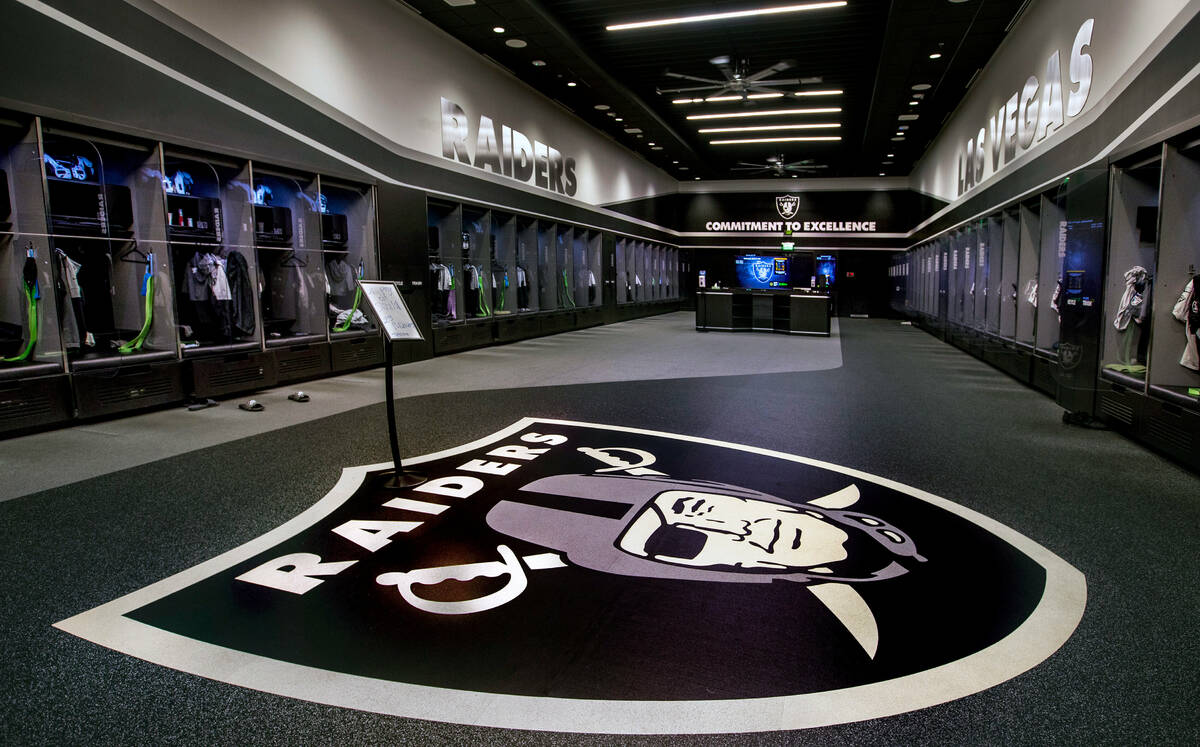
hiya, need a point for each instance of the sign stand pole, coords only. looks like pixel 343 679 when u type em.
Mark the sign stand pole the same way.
pixel 400 477
pixel 389 308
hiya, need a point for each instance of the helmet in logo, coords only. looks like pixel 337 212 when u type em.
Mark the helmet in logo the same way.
pixel 706 531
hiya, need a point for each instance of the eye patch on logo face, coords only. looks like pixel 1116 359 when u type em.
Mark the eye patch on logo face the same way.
pixel 673 541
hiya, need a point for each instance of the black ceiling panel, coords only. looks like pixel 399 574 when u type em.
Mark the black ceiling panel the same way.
pixel 874 51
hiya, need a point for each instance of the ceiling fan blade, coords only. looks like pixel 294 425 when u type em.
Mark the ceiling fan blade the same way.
pixel 748 168
pixel 805 162
pixel 710 81
pixel 778 67
pixel 766 85
pixel 708 90
pixel 812 80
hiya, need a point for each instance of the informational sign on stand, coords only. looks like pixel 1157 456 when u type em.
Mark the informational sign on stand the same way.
pixel 385 300
pixel 702 278
pixel 389 308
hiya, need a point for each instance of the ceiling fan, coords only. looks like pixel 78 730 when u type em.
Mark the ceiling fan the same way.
pixel 738 81
pixel 778 166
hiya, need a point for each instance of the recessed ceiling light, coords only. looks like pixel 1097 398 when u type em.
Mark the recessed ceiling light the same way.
pixel 902 128
pixel 771 128
pixel 888 163
pixel 914 102
pixel 633 130
pixel 498 29
pixel 897 139
pixel 651 143
pixel 724 16
pixel 601 107
pixel 891 155
pixel 697 178
pixel 935 56
pixel 922 87
pixel 822 138
pixel 768 113
pixel 639 137
pixel 459 3
pixel 620 119
pixel 657 147
pixel 538 63
pixel 571 84
pixel 794 176
pixel 909 117
pixel 830 92
pixel 674 161
pixel 516 43
pixel 683 168
pixel 611 114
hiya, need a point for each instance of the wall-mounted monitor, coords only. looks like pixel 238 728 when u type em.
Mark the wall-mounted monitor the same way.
pixel 826 271
pixel 763 272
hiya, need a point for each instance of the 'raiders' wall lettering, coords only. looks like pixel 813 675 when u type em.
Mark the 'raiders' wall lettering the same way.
pixel 505 151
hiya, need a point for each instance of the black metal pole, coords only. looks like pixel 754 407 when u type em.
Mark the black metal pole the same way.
pixel 391 408
pixel 399 478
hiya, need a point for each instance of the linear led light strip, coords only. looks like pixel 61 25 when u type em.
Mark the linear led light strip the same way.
pixel 728 98
pixel 812 139
pixel 832 92
pixel 771 128
pixel 723 16
pixel 769 113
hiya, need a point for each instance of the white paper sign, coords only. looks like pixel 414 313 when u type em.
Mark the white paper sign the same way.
pixel 389 308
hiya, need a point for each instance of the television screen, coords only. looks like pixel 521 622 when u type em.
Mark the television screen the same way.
pixel 826 271
pixel 754 271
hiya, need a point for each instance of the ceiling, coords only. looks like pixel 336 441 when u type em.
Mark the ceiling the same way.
pixel 877 53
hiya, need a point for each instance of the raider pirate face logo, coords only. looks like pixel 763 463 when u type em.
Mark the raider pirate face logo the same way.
pixel 581 577
pixel 788 206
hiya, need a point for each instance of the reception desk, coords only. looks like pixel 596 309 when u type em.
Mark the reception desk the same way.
pixel 787 312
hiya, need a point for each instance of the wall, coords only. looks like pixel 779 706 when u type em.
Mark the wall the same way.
pixel 1125 37
pixel 383 70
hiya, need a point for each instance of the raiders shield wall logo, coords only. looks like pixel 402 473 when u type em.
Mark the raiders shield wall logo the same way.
pixel 579 577
pixel 1069 355
pixel 788 206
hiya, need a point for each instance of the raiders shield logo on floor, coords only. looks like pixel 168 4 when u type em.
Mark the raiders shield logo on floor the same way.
pixel 581 577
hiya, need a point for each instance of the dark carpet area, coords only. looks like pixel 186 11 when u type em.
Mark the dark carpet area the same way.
pixel 904 406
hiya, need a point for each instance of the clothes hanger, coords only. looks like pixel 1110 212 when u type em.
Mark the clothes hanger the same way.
pixel 134 250
pixel 291 260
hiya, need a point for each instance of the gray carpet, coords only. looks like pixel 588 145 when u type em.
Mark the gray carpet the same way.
pixel 903 405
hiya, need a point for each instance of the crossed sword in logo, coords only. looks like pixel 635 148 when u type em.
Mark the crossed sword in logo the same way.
pixel 841 599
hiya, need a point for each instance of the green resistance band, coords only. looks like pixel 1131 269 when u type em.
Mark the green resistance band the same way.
pixel 485 309
pixel 353 308
pixel 136 343
pixel 565 292
pixel 30 289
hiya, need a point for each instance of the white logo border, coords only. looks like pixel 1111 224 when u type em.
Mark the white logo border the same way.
pixel 1045 630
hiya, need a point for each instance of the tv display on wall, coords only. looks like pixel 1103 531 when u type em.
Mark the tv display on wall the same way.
pixel 763 272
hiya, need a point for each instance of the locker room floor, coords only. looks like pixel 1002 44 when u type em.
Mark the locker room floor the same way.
pixel 101 510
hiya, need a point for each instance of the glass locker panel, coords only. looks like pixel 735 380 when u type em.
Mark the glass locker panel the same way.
pixel 349 251
pixel 287 235
pixel 30 341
